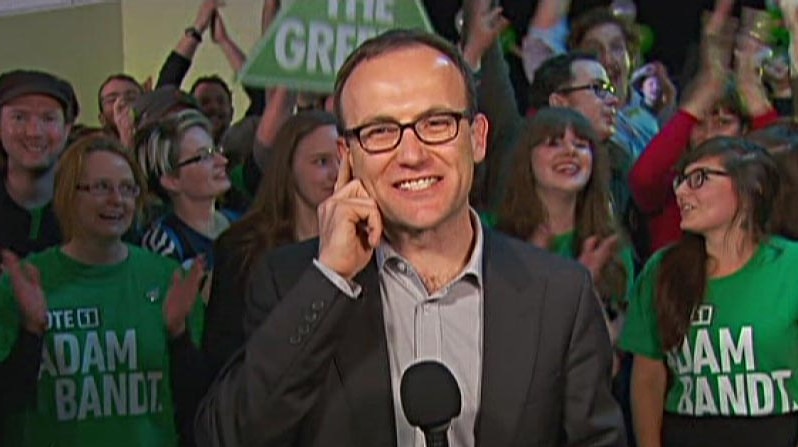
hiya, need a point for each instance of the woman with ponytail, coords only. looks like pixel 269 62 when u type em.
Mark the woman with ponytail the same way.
pixel 713 319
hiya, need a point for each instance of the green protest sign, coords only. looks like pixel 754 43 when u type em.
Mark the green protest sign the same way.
pixel 310 39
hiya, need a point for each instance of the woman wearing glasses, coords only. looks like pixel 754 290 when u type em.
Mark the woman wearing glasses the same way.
pixel 188 173
pixel 300 175
pixel 91 331
pixel 712 319
pixel 713 106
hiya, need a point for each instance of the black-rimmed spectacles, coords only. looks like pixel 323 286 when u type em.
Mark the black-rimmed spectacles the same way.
pixel 601 89
pixel 696 178
pixel 434 128
pixel 203 154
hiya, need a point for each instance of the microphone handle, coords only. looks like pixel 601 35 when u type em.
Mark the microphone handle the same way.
pixel 436 437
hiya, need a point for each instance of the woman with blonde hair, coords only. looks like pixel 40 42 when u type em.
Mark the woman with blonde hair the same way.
pixel 92 331
pixel 188 173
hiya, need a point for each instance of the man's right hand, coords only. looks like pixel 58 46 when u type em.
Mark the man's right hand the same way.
pixel 27 285
pixel 350 226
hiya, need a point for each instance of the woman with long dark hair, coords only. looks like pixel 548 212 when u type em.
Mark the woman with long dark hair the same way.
pixel 713 318
pixel 558 198
pixel 300 175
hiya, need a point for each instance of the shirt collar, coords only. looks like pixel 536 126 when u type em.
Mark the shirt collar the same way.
pixel 473 267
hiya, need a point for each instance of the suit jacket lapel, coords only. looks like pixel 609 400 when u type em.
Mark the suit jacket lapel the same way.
pixel 513 302
pixel 362 362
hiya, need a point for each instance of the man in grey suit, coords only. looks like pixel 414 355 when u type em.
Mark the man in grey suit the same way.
pixel 403 271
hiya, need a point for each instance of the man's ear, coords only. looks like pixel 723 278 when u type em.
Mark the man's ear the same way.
pixel 558 100
pixel 101 119
pixel 345 153
pixel 479 137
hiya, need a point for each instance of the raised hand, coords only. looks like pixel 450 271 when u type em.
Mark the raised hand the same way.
pixel 147 85
pixel 123 119
pixel 268 13
pixel 716 51
pixel 596 252
pixel 219 30
pixel 182 296
pixel 206 13
pixel 350 226
pixel 27 285
pixel 484 24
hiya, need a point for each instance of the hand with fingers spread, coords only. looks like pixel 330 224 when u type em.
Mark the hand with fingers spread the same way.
pixel 716 52
pixel 350 226
pixel 596 252
pixel 483 27
pixel 182 296
pixel 27 285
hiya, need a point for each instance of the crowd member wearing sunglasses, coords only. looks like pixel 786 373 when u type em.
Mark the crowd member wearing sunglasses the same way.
pixel 716 104
pixel 188 173
pixel 91 330
pixel 711 321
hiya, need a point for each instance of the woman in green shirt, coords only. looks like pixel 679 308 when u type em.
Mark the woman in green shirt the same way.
pixel 713 319
pixel 92 331
pixel 558 198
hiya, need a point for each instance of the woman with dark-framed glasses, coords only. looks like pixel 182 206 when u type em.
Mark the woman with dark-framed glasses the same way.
pixel 713 319
pixel 188 173
pixel 92 331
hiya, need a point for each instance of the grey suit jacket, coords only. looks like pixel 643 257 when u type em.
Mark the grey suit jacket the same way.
pixel 315 370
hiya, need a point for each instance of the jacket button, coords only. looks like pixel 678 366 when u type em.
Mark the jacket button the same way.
pixel 317 305
pixel 311 317
pixel 304 329
pixel 295 339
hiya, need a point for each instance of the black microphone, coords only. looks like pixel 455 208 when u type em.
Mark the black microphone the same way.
pixel 430 400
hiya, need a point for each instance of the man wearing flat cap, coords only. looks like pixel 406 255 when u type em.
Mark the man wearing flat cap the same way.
pixel 37 110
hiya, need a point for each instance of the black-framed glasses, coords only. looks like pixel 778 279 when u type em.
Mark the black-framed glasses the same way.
pixel 104 188
pixel 696 178
pixel 600 88
pixel 433 128
pixel 203 154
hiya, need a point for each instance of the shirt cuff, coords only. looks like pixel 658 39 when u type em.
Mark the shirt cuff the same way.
pixel 348 288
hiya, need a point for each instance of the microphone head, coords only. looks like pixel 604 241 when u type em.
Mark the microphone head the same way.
pixel 430 395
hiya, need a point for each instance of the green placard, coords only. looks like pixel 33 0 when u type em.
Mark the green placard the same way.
pixel 310 39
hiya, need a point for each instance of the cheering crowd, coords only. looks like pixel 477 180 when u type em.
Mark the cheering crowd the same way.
pixel 610 266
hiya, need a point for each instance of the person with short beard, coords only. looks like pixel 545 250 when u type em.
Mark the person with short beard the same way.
pixel 37 111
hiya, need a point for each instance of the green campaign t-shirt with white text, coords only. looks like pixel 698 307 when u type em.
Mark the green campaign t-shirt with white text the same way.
pixel 740 356
pixel 104 375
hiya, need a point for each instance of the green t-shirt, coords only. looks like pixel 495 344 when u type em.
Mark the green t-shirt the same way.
pixel 564 246
pixel 104 376
pixel 741 353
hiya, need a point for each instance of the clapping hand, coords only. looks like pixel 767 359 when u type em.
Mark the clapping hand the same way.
pixel 26 282
pixel 182 296
pixel 596 252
